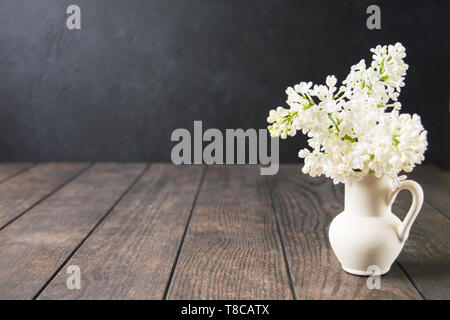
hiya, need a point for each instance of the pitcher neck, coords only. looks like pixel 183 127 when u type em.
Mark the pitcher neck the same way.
pixel 368 197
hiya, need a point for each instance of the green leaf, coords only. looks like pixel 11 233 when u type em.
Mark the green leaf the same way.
pixel 395 140
pixel 348 138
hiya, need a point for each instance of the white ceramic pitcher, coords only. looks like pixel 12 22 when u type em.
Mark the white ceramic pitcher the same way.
pixel 367 237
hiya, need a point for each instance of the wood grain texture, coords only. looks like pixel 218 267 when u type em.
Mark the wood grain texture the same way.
pixel 305 207
pixel 436 185
pixel 131 254
pixel 8 170
pixel 232 248
pixel 23 191
pixel 426 254
pixel 35 246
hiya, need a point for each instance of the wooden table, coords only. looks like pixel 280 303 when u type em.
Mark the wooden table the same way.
pixel 160 231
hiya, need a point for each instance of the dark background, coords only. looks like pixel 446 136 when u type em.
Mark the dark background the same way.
pixel 115 90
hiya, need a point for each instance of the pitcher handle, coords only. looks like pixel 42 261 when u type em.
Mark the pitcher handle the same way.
pixel 416 205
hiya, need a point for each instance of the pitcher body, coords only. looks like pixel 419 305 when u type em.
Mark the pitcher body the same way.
pixel 367 237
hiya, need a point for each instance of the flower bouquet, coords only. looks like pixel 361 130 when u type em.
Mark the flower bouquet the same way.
pixel 358 129
pixel 358 136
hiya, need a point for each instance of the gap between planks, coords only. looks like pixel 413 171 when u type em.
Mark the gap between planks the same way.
pixel 283 246
pixel 172 272
pixel 16 169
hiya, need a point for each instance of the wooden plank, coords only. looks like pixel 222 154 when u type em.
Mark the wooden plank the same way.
pixel 25 190
pixel 131 254
pixel 35 246
pixel 305 207
pixel 436 185
pixel 426 255
pixel 232 248
pixel 10 169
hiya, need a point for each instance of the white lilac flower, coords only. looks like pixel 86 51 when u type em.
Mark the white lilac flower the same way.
pixel 356 130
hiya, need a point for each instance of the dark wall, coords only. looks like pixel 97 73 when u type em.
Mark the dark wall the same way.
pixel 137 70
